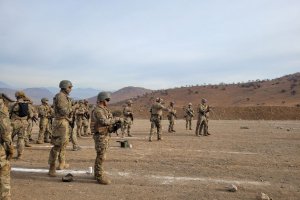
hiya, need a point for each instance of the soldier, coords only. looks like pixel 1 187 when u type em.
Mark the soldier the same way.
pixel 87 117
pixel 30 125
pixel 6 152
pixel 128 118
pixel 104 123
pixel 189 114
pixel 81 119
pixel 61 127
pixel 156 117
pixel 45 118
pixel 203 112
pixel 19 113
pixel 73 134
pixel 171 117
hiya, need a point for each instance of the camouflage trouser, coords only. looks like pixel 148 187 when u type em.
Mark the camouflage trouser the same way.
pixel 171 124
pixel 60 139
pixel 126 126
pixel 5 181
pixel 73 138
pixel 29 131
pixel 188 122
pixel 45 131
pixel 101 146
pixel 201 124
pixel 155 122
pixel 80 122
pixel 19 129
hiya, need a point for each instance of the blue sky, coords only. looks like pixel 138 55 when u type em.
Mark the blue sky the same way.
pixel 153 44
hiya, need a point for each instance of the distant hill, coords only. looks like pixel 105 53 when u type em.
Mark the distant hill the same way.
pixel 124 94
pixel 284 92
pixel 37 93
pixel 4 85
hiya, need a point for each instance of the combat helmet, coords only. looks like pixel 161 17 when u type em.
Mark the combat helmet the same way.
pixel 203 100
pixel 44 100
pixel 129 102
pixel 190 104
pixel 20 94
pixel 103 96
pixel 65 84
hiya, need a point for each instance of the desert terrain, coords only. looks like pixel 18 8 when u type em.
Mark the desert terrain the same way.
pixel 256 156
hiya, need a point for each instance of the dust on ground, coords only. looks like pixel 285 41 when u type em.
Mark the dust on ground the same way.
pixel 264 157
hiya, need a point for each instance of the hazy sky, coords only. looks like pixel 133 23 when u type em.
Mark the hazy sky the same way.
pixel 148 43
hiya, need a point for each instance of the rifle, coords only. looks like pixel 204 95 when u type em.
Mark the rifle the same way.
pixel 131 116
pixel 35 119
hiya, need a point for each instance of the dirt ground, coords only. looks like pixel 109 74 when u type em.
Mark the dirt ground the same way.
pixel 256 156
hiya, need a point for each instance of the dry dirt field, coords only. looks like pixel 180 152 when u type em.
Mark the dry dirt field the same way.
pixel 263 158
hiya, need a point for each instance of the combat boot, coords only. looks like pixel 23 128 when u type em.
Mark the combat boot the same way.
pixel 40 142
pixel 47 140
pixel 62 166
pixel 129 135
pixel 150 139
pixel 52 171
pixel 104 181
pixel 28 145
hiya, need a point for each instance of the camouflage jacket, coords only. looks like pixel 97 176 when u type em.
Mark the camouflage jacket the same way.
pixel 15 108
pixel 5 134
pixel 62 105
pixel 45 111
pixel 203 109
pixel 157 109
pixel 102 119
pixel 189 112
pixel 127 111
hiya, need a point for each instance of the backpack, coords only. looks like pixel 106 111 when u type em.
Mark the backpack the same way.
pixel 23 109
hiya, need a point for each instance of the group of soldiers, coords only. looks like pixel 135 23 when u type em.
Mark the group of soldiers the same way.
pixel 56 125
pixel 157 109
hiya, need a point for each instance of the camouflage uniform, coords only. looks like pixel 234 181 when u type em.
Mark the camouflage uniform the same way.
pixel 73 135
pixel 45 118
pixel 171 117
pixel 81 120
pixel 128 119
pixel 6 152
pixel 61 127
pixel 103 122
pixel 202 122
pixel 19 120
pixel 156 117
pixel 30 125
pixel 189 114
pixel 87 118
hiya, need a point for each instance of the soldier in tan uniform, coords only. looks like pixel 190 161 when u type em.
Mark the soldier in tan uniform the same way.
pixel 171 117
pixel 61 127
pixel 128 119
pixel 45 117
pixel 81 119
pixel 30 125
pixel 20 112
pixel 86 119
pixel 202 122
pixel 156 111
pixel 6 152
pixel 73 134
pixel 104 123
pixel 189 114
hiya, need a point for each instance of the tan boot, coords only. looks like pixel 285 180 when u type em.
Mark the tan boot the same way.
pixel 62 166
pixel 104 181
pixel 52 171
pixel 28 145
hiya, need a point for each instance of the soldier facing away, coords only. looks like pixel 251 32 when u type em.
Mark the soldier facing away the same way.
pixel 19 114
pixel 81 119
pixel 156 111
pixel 189 114
pixel 128 118
pixel 202 122
pixel 61 127
pixel 104 123
pixel 171 117
pixel 6 152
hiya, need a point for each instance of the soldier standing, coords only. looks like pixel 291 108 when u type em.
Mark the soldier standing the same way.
pixel 171 117
pixel 61 127
pixel 81 113
pixel 156 117
pixel 128 118
pixel 104 123
pixel 20 112
pixel 202 123
pixel 189 114
pixel 86 118
pixel 45 118
pixel 6 152
pixel 30 125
